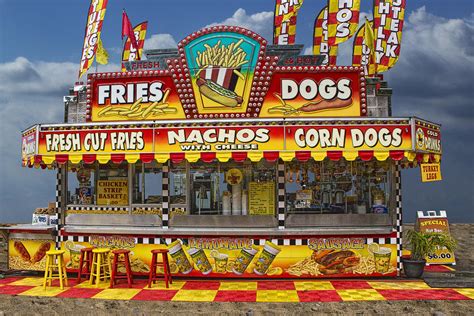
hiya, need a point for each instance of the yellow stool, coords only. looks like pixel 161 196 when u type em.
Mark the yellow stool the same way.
pixel 101 266
pixel 55 261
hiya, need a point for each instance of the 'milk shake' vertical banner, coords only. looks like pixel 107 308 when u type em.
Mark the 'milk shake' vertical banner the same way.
pixel 284 27
pixel 95 18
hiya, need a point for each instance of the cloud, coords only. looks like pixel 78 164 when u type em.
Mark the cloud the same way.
pixel 158 41
pixel 261 22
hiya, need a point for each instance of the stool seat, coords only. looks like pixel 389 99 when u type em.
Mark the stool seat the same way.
pixel 126 262
pixel 101 250
pixel 155 264
pixel 87 249
pixel 55 268
pixel 55 252
pixel 120 251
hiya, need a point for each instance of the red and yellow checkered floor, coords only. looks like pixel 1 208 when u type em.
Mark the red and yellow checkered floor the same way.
pixel 241 291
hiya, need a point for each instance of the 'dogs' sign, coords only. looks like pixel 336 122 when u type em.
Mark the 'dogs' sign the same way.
pixel 224 73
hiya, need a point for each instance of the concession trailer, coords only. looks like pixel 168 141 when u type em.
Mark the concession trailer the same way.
pixel 245 160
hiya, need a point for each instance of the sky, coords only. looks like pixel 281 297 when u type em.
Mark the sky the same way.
pixel 40 49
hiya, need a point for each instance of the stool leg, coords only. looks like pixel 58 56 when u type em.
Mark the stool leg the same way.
pixel 128 269
pixel 81 263
pixel 169 270
pixel 109 266
pixel 114 272
pixel 91 277
pixel 46 271
pixel 165 269
pixel 64 271
pixel 97 277
pixel 60 273
pixel 152 269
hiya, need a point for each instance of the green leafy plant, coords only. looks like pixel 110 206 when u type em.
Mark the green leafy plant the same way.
pixel 423 243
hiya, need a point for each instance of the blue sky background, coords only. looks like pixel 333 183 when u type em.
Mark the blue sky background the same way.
pixel 40 48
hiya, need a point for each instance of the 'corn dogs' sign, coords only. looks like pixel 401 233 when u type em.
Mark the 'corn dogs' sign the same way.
pixel 224 73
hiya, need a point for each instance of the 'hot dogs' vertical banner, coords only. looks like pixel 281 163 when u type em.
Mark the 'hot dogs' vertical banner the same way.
pixel 284 27
pixel 95 18
pixel 361 54
pixel 129 52
pixel 343 20
pixel 320 39
pixel 389 18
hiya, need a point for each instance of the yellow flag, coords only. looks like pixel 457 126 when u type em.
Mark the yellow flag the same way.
pixel 102 57
pixel 369 36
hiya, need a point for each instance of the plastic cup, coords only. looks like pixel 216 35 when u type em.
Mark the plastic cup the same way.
pixel 382 259
pixel 243 260
pixel 177 253
pixel 200 259
pixel 269 252
pixel 221 260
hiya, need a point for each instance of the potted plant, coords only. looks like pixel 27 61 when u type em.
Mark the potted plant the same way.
pixel 422 244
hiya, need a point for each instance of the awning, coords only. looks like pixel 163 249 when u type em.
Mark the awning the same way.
pixel 365 139
pixel 271 156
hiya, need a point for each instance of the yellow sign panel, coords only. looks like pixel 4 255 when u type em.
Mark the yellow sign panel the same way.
pixel 28 254
pixel 430 172
pixel 437 225
pixel 112 192
pixel 261 198
pixel 234 176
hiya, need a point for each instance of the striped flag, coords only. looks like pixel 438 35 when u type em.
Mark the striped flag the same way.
pixel 362 54
pixel 284 26
pixel 320 39
pixel 129 53
pixel 343 20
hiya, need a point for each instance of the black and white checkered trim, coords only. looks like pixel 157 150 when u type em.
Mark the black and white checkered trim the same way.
pixel 61 170
pixel 256 242
pixel 398 214
pixel 96 208
pixel 281 195
pixel 165 194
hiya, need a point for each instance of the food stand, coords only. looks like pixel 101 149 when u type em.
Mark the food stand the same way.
pixel 240 159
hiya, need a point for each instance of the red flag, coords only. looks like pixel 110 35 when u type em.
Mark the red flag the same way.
pixel 127 30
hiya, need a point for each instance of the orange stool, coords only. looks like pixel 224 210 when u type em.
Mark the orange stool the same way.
pixel 86 257
pixel 125 262
pixel 155 264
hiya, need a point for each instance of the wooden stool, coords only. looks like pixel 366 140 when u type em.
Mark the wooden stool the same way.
pixel 100 265
pixel 126 263
pixel 86 257
pixel 155 264
pixel 55 261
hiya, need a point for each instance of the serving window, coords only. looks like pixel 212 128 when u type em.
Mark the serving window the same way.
pixel 81 184
pixel 147 183
pixel 225 193
pixel 355 189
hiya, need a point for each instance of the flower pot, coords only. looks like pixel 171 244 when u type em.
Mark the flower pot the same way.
pixel 413 268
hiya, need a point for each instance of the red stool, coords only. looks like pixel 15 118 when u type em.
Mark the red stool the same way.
pixel 155 264
pixel 126 261
pixel 86 257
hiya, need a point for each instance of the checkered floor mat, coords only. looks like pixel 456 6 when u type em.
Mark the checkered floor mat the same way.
pixel 241 291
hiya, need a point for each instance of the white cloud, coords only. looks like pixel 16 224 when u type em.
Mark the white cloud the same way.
pixel 261 22
pixel 157 41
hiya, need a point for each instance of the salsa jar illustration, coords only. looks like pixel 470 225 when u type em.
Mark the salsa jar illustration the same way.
pixel 177 253
pixel 200 259
pixel 243 260
pixel 269 252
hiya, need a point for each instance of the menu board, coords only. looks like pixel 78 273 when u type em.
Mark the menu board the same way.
pixel 262 198
pixel 112 192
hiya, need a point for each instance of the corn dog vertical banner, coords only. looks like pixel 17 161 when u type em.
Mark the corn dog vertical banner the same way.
pixel 320 39
pixel 343 20
pixel 389 18
pixel 95 19
pixel 129 52
pixel 362 53
pixel 284 27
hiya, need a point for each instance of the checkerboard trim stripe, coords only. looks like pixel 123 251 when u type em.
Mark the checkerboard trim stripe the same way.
pixel 281 194
pixel 59 189
pixel 165 195
pixel 398 214
pixel 97 208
